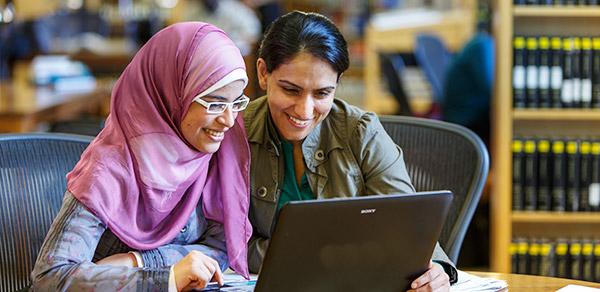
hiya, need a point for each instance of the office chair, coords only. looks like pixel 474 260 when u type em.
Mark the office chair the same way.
pixel 32 184
pixel 53 32
pixel 392 67
pixel 433 57
pixel 443 156
pixel 86 125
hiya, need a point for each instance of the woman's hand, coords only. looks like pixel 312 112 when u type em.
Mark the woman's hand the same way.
pixel 119 259
pixel 434 279
pixel 195 271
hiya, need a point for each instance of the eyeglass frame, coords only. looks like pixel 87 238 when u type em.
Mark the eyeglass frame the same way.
pixel 207 104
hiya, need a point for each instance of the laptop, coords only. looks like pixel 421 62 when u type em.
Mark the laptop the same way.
pixel 372 243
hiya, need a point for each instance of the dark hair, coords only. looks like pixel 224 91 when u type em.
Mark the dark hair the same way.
pixel 298 32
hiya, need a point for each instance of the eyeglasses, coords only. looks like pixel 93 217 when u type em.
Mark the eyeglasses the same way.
pixel 219 107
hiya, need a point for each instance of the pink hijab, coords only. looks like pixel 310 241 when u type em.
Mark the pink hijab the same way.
pixel 140 176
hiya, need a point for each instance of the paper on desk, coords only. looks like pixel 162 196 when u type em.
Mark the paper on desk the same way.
pixel 468 282
pixel 578 288
pixel 405 18
pixel 232 277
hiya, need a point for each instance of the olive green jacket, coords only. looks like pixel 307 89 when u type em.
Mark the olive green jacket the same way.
pixel 348 154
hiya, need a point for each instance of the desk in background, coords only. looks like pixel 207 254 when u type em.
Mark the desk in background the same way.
pixel 397 33
pixel 23 106
pixel 517 282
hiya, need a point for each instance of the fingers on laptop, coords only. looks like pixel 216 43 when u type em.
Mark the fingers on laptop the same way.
pixel 434 279
pixel 196 270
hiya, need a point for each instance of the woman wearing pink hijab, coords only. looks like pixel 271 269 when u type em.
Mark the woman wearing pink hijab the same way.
pixel 159 200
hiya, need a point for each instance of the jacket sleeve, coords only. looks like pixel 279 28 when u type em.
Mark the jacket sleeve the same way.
pixel 211 243
pixel 65 259
pixel 381 161
pixel 257 249
pixel 440 257
pixel 384 172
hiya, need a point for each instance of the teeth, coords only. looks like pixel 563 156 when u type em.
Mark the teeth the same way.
pixel 299 122
pixel 214 133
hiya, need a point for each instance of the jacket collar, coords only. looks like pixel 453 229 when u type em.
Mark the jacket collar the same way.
pixel 330 134
pixel 259 126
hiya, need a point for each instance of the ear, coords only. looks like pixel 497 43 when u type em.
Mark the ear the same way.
pixel 261 70
pixel 340 77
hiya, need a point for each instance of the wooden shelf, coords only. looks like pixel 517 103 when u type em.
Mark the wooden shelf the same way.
pixel 555 217
pixel 556 114
pixel 556 11
pixel 511 20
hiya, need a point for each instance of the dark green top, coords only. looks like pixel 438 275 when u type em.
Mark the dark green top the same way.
pixel 291 191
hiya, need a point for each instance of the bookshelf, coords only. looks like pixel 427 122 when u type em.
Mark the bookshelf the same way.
pixel 510 20
pixel 553 217
pixel 591 115
pixel 558 12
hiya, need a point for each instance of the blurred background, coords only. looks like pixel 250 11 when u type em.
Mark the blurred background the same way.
pixel 438 59
pixel 60 58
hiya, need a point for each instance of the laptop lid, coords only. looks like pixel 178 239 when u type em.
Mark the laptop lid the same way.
pixel 372 243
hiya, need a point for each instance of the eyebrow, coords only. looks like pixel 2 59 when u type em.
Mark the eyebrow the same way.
pixel 222 98
pixel 299 87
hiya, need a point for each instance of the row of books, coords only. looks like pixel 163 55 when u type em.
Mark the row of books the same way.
pixel 575 258
pixel 556 72
pixel 556 174
pixel 556 2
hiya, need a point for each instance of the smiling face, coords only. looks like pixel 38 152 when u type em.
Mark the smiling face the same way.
pixel 299 93
pixel 205 131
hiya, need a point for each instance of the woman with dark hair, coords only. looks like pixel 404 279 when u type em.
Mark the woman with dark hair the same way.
pixel 306 144
pixel 159 199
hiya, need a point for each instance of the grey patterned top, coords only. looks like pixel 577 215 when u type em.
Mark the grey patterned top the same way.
pixel 77 239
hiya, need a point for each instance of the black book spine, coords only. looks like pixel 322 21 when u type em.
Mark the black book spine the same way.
pixel 518 174
pixel 576 70
pixel 532 75
pixel 514 257
pixel 556 72
pixel 519 81
pixel 562 259
pixel 594 188
pixel 586 72
pixel 596 73
pixel 567 83
pixel 544 72
pixel 576 260
pixel 547 258
pixel 596 261
pixel 531 175
pixel 573 175
pixel 545 175
pixel 519 2
pixel 559 178
pixel 534 257
pixel 523 254
pixel 587 254
pixel 585 175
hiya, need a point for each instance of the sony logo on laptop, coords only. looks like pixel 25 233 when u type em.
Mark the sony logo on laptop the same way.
pixel 368 211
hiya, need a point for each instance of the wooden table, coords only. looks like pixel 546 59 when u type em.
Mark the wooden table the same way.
pixel 24 106
pixel 529 283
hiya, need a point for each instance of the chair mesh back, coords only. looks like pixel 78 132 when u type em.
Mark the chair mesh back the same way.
pixel 443 156
pixel 32 184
